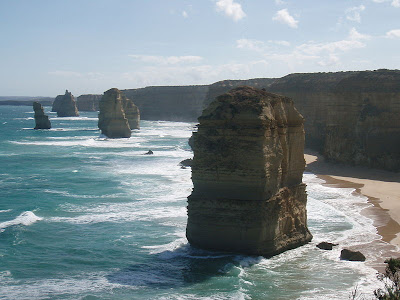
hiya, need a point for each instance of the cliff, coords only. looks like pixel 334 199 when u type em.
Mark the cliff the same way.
pixel 170 103
pixel 88 102
pixel 41 120
pixel 248 194
pixel 112 120
pixel 65 105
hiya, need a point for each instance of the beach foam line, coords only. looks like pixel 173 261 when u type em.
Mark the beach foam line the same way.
pixel 26 218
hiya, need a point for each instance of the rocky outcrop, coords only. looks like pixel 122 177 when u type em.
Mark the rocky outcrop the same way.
pixel 41 120
pixel 65 105
pixel 112 120
pixel 170 103
pixel 248 194
pixel 131 112
pixel 88 102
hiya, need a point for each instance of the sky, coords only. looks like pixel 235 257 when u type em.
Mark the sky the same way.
pixel 89 46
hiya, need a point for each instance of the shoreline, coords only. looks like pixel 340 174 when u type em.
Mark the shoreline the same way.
pixel 382 188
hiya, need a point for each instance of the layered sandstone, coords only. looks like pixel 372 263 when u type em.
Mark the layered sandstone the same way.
pixel 131 112
pixel 41 120
pixel 89 102
pixel 248 194
pixel 65 105
pixel 112 120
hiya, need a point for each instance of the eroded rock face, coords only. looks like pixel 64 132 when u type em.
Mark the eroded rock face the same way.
pixel 248 194
pixel 112 120
pixel 131 112
pixel 41 120
pixel 65 105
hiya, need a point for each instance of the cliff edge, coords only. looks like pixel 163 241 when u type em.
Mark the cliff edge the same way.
pixel 248 194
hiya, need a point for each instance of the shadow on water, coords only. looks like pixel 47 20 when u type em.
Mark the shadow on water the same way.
pixel 183 266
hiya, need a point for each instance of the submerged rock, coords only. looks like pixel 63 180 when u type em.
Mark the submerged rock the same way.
pixel 41 120
pixel 65 105
pixel 326 246
pixel 350 255
pixel 112 120
pixel 247 169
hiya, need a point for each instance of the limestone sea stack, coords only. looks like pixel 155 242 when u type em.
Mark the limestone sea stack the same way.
pixel 112 120
pixel 65 105
pixel 248 195
pixel 131 112
pixel 41 120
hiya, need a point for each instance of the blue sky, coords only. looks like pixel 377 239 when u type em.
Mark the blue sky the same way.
pixel 89 46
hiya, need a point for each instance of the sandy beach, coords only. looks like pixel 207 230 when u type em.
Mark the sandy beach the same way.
pixel 381 187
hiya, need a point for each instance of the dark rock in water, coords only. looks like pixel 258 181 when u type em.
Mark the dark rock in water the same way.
pixel 326 246
pixel 351 255
pixel 112 120
pixel 186 162
pixel 248 195
pixel 42 121
pixel 149 152
pixel 65 105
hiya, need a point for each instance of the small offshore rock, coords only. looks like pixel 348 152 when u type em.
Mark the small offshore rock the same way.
pixel 349 255
pixel 186 163
pixel 326 246
pixel 42 121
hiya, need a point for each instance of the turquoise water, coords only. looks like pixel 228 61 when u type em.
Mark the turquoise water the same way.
pixel 85 217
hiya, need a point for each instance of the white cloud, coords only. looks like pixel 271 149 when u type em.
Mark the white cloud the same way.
pixel 231 9
pixel 393 34
pixel 185 14
pixel 354 13
pixel 166 60
pixel 284 17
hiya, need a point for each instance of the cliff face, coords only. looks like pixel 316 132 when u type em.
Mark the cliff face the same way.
pixel 351 117
pixel 247 170
pixel 112 120
pixel 41 120
pixel 131 112
pixel 170 103
pixel 65 105
pixel 88 102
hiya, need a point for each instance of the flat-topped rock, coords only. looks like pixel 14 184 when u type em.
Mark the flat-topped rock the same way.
pixel 248 195
pixel 112 120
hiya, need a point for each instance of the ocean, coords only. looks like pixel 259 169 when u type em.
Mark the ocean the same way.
pixel 86 217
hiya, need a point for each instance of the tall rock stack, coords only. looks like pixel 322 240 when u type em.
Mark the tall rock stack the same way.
pixel 131 112
pixel 112 120
pixel 65 105
pixel 248 163
pixel 41 120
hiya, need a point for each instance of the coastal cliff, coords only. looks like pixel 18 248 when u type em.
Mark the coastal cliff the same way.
pixel 41 120
pixel 112 120
pixel 89 102
pixel 169 103
pixel 248 194
pixel 65 105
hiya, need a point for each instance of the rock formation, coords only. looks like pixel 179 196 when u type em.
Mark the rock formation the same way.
pixel 42 121
pixel 131 112
pixel 88 102
pixel 65 105
pixel 248 194
pixel 112 120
